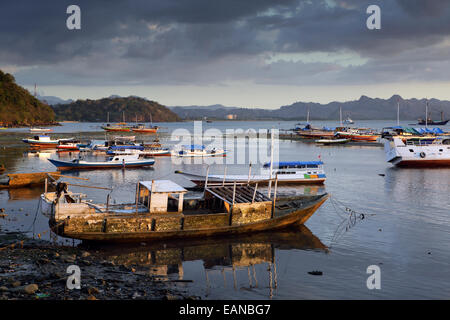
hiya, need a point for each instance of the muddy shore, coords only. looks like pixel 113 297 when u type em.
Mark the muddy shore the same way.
pixel 38 271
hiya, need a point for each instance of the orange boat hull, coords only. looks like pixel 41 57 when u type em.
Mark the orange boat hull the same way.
pixel 145 130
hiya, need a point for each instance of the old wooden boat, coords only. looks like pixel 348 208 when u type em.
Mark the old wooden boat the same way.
pixel 20 180
pixel 293 172
pixel 125 161
pixel 357 135
pixel 120 127
pixel 144 129
pixel 161 211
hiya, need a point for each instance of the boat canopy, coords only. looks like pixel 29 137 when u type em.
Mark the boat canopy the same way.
pixel 194 146
pixel 164 186
pixel 293 164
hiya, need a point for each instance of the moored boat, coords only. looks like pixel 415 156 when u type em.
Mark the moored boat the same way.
pixel 332 141
pixel 44 141
pixel 415 153
pixel 161 211
pixel 144 129
pixel 40 130
pixel 125 161
pixel 195 150
pixel 293 172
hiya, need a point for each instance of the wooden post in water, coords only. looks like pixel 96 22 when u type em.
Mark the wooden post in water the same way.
pixel 274 197
pixel 45 189
pixel 271 163
pixel 206 180
pixel 224 175
pixel 107 202
pixel 249 172
pixel 137 196
pixel 254 193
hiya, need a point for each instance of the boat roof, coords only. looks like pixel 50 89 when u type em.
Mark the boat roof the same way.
pixel 163 186
pixel 293 163
pixel 194 146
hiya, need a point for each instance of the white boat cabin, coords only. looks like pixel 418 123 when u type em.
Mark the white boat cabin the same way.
pixel 155 195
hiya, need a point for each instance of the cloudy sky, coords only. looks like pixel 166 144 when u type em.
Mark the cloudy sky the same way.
pixel 250 53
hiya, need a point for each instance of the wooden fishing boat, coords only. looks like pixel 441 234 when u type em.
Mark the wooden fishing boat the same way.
pixel 126 161
pixel 44 141
pixel 358 136
pixel 20 180
pixel 294 172
pixel 120 127
pixel 144 129
pixel 161 211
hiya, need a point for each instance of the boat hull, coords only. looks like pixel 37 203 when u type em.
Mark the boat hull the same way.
pixel 423 163
pixel 145 130
pixel 294 218
pixel 63 165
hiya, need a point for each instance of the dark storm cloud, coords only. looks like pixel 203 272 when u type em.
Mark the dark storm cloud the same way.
pixel 204 41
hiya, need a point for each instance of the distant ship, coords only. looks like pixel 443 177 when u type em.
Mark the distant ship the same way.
pixel 429 121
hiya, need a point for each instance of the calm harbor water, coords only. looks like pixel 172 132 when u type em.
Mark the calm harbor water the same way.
pixel 405 230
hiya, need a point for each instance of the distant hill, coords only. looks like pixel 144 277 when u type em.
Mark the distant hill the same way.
pixel 363 109
pixel 19 108
pixel 97 110
pixel 52 100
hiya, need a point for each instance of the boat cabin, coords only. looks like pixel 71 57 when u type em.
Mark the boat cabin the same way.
pixel 293 167
pixel 155 196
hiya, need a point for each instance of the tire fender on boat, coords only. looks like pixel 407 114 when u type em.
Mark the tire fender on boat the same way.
pixel 422 154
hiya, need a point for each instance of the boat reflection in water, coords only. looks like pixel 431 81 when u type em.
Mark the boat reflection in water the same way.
pixel 238 256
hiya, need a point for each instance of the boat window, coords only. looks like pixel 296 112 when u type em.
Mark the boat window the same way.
pixel 411 150
pixel 440 150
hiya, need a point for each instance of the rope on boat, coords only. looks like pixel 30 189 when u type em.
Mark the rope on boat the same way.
pixel 349 218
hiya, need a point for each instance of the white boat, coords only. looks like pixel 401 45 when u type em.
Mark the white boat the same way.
pixel 40 130
pixel 417 153
pixel 44 141
pixel 348 121
pixel 127 161
pixel 195 150
pixel 142 153
pixel 332 141
pixel 300 172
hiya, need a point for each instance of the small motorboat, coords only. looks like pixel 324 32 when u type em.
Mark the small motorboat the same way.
pixel 348 121
pixel 40 130
pixel 159 152
pixel 332 141
pixel 122 161
pixel 68 145
pixel 195 150
pixel 44 141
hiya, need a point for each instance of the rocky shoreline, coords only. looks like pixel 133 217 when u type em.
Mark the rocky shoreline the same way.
pixel 38 271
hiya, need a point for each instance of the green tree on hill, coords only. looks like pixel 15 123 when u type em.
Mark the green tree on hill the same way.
pixel 18 107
